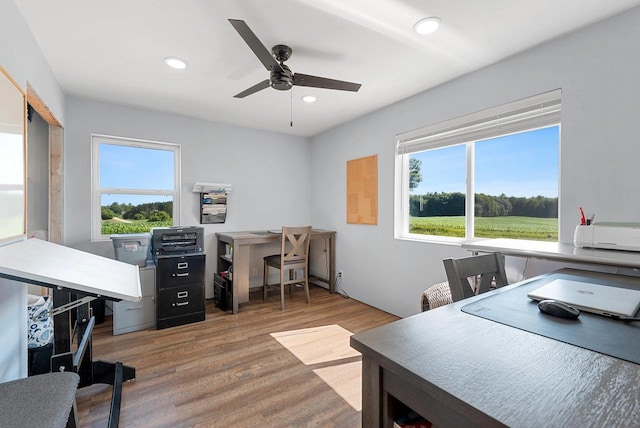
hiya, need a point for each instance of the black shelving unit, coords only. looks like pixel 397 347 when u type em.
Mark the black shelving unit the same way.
pixel 222 292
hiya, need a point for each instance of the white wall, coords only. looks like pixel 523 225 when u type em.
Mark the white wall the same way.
pixel 20 55
pixel 23 60
pixel 597 69
pixel 268 171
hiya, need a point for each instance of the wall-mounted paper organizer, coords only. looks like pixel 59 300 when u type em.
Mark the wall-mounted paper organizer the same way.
pixel 213 201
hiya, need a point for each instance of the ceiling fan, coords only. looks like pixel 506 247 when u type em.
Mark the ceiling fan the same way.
pixel 282 78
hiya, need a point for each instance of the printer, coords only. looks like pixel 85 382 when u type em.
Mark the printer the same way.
pixel 612 236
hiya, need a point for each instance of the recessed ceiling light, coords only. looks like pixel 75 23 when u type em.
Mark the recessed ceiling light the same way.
pixel 309 99
pixel 427 25
pixel 176 63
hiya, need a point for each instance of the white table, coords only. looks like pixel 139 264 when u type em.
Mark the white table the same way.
pixel 51 265
pixel 556 251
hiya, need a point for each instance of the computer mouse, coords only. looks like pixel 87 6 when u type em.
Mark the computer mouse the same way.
pixel 558 309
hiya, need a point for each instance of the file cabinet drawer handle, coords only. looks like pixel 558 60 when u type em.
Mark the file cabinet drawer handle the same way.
pixel 183 265
pixel 182 303
pixel 183 274
pixel 183 294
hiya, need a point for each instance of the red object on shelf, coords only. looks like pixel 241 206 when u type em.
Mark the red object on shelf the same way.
pixel 411 420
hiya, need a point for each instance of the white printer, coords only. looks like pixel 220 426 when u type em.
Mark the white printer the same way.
pixel 612 236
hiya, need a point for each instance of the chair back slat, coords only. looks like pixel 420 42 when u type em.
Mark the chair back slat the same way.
pixel 486 272
pixel 297 240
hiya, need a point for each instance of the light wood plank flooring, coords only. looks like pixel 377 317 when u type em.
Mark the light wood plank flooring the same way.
pixel 229 371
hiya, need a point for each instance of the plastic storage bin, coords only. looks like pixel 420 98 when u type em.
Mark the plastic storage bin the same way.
pixel 133 248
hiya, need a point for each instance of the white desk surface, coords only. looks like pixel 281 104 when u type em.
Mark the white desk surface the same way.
pixel 556 251
pixel 57 265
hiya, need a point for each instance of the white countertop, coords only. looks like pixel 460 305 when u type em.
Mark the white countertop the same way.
pixel 52 265
pixel 556 251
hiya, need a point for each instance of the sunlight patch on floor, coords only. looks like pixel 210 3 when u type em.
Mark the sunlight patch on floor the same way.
pixel 318 344
pixel 326 344
pixel 345 380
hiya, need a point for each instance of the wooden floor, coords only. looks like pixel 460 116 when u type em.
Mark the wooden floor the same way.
pixel 229 371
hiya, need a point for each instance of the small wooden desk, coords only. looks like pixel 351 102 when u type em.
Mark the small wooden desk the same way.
pixel 457 369
pixel 242 243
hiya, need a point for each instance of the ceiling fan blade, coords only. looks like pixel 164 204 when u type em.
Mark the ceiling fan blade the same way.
pixel 256 45
pixel 322 82
pixel 255 88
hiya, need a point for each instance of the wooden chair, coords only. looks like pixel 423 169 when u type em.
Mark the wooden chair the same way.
pixel 469 276
pixel 294 254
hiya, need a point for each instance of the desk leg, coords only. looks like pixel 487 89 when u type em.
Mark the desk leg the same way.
pixel 240 278
pixel 61 322
pixel 332 265
pixel 234 299
pixel 371 394
pixel 235 279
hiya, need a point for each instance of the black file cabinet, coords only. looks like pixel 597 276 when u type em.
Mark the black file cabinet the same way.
pixel 180 295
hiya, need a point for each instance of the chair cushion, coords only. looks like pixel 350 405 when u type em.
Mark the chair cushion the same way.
pixel 38 401
pixel 273 260
pixel 437 295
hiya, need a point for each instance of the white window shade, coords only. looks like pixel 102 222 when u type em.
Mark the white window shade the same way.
pixel 530 113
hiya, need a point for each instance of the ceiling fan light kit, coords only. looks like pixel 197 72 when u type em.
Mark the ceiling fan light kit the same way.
pixel 281 77
pixel 176 63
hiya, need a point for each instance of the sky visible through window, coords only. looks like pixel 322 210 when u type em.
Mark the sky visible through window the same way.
pixel 521 165
pixel 125 167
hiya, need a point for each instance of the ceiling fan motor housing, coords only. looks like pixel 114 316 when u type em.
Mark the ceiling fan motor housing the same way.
pixel 281 81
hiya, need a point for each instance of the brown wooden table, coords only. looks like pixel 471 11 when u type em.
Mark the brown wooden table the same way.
pixel 242 243
pixel 457 370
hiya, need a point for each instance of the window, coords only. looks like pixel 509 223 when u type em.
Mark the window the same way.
pixel 135 186
pixel 493 174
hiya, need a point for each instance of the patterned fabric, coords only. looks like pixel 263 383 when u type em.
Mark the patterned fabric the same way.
pixel 40 321
pixel 436 295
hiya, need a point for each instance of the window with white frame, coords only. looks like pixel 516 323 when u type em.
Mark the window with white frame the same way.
pixel 492 174
pixel 135 185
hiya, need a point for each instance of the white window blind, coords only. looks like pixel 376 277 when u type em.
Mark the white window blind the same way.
pixel 526 114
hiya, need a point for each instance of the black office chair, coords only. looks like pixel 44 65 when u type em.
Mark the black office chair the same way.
pixel 470 276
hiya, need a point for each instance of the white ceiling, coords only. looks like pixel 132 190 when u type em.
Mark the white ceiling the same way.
pixel 114 50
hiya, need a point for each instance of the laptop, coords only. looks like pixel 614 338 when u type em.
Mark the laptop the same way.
pixel 598 299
